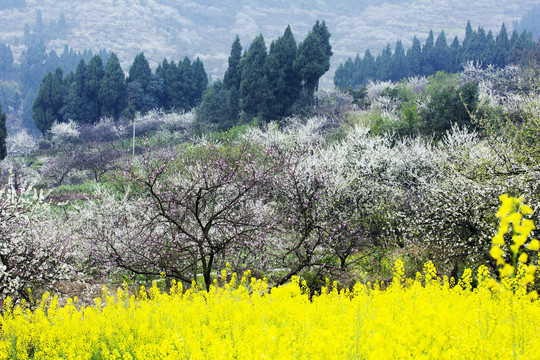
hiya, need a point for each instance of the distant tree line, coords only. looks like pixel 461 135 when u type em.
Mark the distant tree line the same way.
pixel 19 81
pixel 93 90
pixel 530 22
pixel 436 55
pixel 267 85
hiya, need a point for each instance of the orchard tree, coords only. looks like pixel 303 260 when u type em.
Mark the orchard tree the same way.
pixel 205 206
pixel 36 249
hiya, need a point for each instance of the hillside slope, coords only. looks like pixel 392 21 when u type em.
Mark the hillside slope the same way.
pixel 173 29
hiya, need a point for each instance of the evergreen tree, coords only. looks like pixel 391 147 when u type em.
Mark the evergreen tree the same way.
pixel 200 81
pixel 313 59
pixel 455 56
pixel 174 95
pixel 32 65
pixel 440 54
pixel 187 83
pixel 427 61
pixel 49 101
pixel 469 34
pixel 3 135
pixel 213 114
pixel 112 88
pixel 399 62
pixel 254 85
pixel 384 64
pixel 154 93
pixel 343 77
pixel 489 52
pixel 94 76
pixel 368 64
pixel 140 71
pixel 233 106
pixel 357 73
pixel 324 37
pixel 284 81
pixel 414 58
pixel 77 107
pixel 502 47
pixel 233 74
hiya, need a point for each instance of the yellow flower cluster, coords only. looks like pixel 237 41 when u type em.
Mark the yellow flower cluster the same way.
pixel 518 273
pixel 421 318
pixel 424 318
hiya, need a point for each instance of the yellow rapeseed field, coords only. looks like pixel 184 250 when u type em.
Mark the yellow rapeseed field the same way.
pixel 421 318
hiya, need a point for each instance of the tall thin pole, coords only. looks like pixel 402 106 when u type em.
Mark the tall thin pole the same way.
pixel 133 137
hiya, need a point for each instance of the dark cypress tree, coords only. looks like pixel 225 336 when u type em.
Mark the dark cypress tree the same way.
pixel 233 106
pixel 94 77
pixel 358 72
pixel 399 62
pixel 414 58
pixel 427 61
pixel 313 59
pixel 49 101
pixel 455 56
pixel 200 81
pixel 140 71
pixel 368 63
pixel 440 54
pixel 136 84
pixel 479 48
pixel 489 53
pixel 469 34
pixel 233 74
pixel 112 88
pixel 254 85
pixel 384 64
pixel 77 106
pixel 324 37
pixel 284 81
pixel 187 83
pixel 154 93
pixel 3 135
pixel 502 47
pixel 343 77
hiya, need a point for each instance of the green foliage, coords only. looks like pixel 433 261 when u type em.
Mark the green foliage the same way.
pixel 446 104
pixel 49 101
pixel 313 59
pixel 233 75
pixel 254 84
pixel 436 55
pixel 112 88
pixel 284 81
pixel 216 111
pixel 140 71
